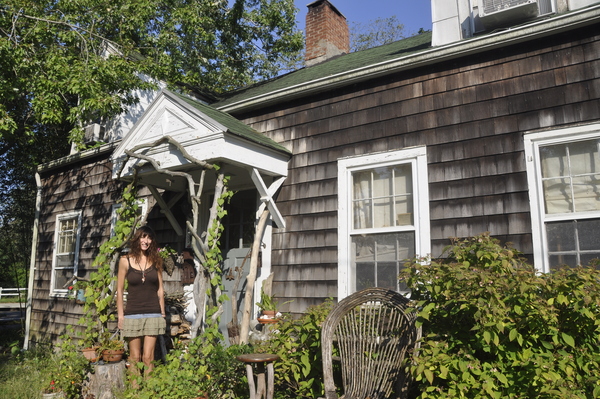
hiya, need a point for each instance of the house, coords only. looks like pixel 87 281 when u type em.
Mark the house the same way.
pixel 490 122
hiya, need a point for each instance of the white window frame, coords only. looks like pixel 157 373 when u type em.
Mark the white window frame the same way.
pixel 532 143
pixel 60 292
pixel 417 156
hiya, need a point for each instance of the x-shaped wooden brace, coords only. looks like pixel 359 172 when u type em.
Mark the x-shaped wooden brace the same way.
pixel 266 195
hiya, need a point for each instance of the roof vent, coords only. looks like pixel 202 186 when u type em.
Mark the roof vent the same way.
pixel 497 13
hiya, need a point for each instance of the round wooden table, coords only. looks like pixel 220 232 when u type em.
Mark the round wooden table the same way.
pixel 255 367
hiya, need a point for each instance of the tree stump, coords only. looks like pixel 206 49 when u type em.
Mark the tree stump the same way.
pixel 106 380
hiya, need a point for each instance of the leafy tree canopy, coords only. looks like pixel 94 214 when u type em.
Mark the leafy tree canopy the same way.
pixel 375 33
pixel 64 63
pixel 77 60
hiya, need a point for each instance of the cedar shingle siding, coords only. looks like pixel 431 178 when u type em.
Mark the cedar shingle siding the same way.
pixel 471 113
pixel 85 185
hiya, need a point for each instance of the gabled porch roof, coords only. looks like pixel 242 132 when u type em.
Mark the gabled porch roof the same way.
pixel 206 135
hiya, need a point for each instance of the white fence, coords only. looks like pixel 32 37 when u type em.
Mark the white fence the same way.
pixel 8 292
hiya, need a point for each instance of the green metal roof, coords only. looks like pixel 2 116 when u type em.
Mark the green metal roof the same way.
pixel 233 125
pixel 337 65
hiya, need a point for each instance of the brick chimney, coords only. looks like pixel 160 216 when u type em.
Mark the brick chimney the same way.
pixel 327 33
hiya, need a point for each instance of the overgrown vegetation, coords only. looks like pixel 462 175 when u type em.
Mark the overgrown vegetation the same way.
pixel 493 328
pixel 98 309
pixel 299 372
pixel 496 328
pixel 23 375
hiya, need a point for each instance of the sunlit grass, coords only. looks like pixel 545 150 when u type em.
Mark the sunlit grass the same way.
pixel 22 373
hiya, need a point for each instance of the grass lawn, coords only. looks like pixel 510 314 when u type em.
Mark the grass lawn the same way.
pixel 22 374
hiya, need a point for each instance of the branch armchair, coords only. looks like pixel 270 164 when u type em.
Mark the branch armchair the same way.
pixel 371 334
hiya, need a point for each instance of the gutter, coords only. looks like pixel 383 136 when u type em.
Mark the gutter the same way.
pixel 34 242
pixel 80 156
pixel 468 47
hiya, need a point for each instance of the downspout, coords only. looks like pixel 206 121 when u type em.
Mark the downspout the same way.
pixel 34 242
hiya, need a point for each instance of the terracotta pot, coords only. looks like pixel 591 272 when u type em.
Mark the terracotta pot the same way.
pixel 91 354
pixel 269 314
pixel 109 355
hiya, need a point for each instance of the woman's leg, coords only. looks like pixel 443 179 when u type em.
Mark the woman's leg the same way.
pixel 135 350
pixel 135 355
pixel 148 356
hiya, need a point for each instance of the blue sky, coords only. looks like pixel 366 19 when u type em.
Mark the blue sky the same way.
pixel 414 14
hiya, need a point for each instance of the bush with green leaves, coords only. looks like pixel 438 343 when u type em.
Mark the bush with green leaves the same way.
pixel 192 369
pixel 494 327
pixel 299 372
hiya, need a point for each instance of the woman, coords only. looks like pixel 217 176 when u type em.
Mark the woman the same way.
pixel 143 319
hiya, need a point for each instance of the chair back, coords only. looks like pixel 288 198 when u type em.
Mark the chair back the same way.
pixel 370 334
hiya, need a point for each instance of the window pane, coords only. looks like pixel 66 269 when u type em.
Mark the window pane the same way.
pixel 365 276
pixel 67 236
pixel 557 261
pixel 362 214
pixel 589 231
pixel 557 196
pixel 384 212
pixel 591 258
pixel 570 177
pixel 554 160
pixel 382 197
pixel 561 236
pixel 583 157
pixel 61 277
pixel 404 211
pixel 382 182
pixel 378 258
pixel 586 190
pixel 573 242
pixel 65 261
pixel 387 275
pixel 403 194
pixel 361 185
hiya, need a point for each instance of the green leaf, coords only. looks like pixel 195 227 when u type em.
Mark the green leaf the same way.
pixel 568 340
pixel 429 375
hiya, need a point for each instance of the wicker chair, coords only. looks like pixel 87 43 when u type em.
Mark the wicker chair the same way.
pixel 372 335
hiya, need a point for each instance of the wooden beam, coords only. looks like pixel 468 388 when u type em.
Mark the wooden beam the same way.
pixel 266 195
pixel 166 210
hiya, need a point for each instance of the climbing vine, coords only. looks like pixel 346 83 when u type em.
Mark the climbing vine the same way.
pixel 101 288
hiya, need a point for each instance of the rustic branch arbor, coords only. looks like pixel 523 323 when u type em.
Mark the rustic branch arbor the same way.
pixel 184 146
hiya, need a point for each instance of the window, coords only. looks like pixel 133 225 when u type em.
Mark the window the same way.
pixel 383 217
pixel 563 170
pixel 66 251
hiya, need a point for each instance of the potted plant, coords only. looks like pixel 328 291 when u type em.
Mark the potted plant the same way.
pixel 111 348
pixel 168 254
pixel 267 307
pixel 90 352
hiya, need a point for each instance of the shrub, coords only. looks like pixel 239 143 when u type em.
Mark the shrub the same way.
pixel 192 369
pixel 299 372
pixel 495 328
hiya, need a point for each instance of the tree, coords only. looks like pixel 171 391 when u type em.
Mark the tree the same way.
pixel 64 63
pixel 375 33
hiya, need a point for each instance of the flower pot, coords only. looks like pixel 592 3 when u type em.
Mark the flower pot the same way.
pixel 109 355
pixel 91 354
pixel 169 264
pixel 80 298
pixel 268 316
